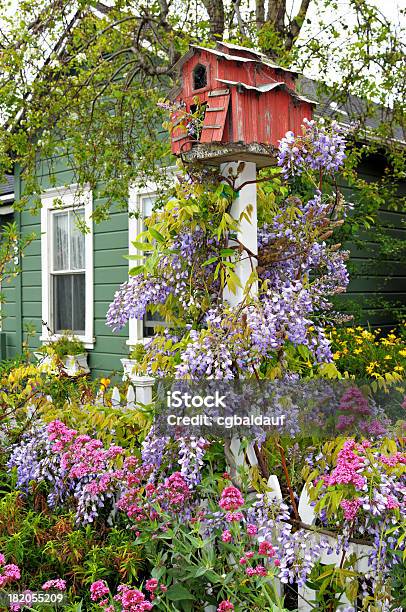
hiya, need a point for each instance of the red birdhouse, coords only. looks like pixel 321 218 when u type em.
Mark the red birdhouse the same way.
pixel 245 103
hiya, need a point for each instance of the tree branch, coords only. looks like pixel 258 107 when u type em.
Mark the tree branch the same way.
pixel 276 14
pixel 296 24
pixel 215 9
pixel 260 13
pixel 240 21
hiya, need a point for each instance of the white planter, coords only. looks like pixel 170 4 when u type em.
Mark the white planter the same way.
pixel 75 365
pixel 129 366
pixel 143 385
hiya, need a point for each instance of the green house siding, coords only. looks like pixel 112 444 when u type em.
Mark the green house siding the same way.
pixel 110 240
pixel 110 270
pixel 9 312
pixel 377 291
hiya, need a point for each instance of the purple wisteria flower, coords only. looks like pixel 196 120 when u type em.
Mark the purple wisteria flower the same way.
pixel 320 148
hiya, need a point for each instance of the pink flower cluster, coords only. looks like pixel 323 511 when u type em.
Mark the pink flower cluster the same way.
pixel 131 600
pixel 354 401
pixel 60 434
pixel 98 590
pixel 231 499
pixel 348 467
pixel 394 459
pixel 225 606
pixel 259 570
pixel 392 503
pixel 8 573
pixel 266 549
pixel 58 584
pixel 350 507
pixel 82 455
pixel 252 530
pixel 226 536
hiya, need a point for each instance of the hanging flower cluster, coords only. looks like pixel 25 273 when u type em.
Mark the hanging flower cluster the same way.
pixel 320 147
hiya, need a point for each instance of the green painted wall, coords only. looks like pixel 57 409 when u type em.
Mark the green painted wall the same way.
pixel 110 270
pixel 378 282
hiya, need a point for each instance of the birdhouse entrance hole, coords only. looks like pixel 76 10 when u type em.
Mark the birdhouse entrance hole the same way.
pixel 199 76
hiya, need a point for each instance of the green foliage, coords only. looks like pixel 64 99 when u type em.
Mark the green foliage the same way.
pixel 47 545
pixel 137 352
pixel 66 345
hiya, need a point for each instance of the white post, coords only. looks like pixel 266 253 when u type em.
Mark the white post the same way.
pixel 247 234
pixel 143 388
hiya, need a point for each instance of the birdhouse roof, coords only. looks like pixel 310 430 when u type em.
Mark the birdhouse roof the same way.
pixel 257 56
pixel 267 87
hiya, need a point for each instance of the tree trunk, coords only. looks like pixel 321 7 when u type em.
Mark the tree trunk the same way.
pixel 215 9
pixel 260 13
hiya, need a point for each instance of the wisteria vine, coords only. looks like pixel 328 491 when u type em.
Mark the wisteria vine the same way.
pixel 193 260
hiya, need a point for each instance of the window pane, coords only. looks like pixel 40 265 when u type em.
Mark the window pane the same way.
pixel 147 204
pixel 62 287
pixel 77 242
pixel 61 241
pixel 79 303
pixel 69 303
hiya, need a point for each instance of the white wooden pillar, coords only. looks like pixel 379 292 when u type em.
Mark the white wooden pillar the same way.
pixel 247 234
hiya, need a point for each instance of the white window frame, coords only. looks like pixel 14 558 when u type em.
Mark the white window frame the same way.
pixel 135 227
pixel 66 198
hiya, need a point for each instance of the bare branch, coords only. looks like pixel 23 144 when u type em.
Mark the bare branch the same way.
pixel 240 21
pixel 296 24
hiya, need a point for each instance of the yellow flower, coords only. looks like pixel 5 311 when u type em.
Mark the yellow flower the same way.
pixel 336 355
pixel 402 352
pixel 388 357
pixel 398 368
pixel 367 335
pixel 371 367
pixel 357 351
pixel 104 382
